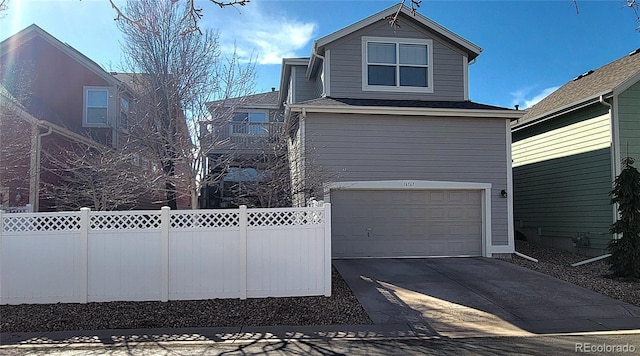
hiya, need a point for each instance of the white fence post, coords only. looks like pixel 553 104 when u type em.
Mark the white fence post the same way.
pixel 84 254
pixel 244 223
pixel 327 249
pixel 164 275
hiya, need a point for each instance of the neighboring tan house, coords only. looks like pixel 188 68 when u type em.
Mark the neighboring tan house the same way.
pixel 237 138
pixel 413 167
pixel 58 98
pixel 567 150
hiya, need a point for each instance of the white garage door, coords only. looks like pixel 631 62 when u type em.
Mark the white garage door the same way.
pixel 403 223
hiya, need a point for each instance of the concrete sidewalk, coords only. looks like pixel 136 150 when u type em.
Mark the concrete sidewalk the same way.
pixel 214 334
pixel 425 299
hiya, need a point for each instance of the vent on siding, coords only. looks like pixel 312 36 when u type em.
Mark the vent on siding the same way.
pixel 582 75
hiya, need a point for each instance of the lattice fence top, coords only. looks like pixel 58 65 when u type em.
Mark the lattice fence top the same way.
pixel 199 219
pixel 129 221
pixel 41 222
pixel 285 217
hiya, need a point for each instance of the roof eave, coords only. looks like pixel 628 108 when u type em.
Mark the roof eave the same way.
pixel 626 84
pixel 472 49
pixel 561 111
pixel 407 111
pixel 287 63
pixel 33 30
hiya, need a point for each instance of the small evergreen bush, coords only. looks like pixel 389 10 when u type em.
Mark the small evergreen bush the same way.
pixel 625 252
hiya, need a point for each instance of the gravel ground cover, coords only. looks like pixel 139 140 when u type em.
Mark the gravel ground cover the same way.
pixel 342 308
pixel 595 276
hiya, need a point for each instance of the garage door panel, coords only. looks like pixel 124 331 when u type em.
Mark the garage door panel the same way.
pixel 406 223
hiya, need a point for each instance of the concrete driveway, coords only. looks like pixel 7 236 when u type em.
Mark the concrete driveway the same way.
pixel 467 297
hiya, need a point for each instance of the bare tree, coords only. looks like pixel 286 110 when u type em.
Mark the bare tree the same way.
pixel 15 146
pixel 96 176
pixel 193 14
pixel 178 69
pixel 4 5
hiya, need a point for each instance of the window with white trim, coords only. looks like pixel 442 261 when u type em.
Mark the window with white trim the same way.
pixel 96 106
pixel 392 64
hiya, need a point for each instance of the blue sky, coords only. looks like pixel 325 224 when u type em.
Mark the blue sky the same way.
pixel 529 47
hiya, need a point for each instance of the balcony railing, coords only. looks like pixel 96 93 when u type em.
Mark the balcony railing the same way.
pixel 241 136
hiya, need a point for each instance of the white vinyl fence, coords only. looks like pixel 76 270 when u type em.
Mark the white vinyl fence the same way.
pixel 89 256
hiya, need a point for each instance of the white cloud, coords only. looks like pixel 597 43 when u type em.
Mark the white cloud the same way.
pixel 268 38
pixel 526 99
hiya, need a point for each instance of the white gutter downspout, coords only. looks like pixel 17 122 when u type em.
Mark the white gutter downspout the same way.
pixel 303 154
pixel 614 158
pixel 324 89
pixel 34 186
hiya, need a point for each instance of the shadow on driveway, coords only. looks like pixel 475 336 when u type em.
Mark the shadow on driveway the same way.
pixel 470 297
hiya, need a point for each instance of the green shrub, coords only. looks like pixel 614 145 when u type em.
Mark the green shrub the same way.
pixel 625 251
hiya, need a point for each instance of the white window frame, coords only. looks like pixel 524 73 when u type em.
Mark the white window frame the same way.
pixel 397 87
pixel 84 106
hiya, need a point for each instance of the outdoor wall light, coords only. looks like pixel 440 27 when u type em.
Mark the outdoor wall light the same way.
pixel 503 193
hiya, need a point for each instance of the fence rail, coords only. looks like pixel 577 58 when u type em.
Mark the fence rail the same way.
pixel 87 256
pixel 18 209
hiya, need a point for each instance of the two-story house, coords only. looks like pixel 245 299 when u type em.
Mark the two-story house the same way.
pixel 415 167
pixel 240 142
pixel 57 98
pixel 567 151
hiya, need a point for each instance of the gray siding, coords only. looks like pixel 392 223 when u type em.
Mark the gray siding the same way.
pixel 629 118
pixel 346 64
pixel 319 82
pixel 305 89
pixel 565 195
pixel 382 147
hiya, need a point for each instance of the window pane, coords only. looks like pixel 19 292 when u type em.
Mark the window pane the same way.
pixel 381 52
pixel 257 117
pixel 124 105
pixel 97 98
pixel 413 54
pixel 413 77
pixel 240 116
pixel 382 75
pixel 96 115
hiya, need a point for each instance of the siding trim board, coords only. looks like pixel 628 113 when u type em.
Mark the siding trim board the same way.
pixel 510 225
pixel 327 74
pixel 409 111
pixel 487 243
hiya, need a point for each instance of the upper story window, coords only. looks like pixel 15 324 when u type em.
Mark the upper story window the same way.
pixel 392 64
pixel 250 123
pixel 96 106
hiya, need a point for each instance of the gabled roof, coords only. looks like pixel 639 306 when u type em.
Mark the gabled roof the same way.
pixel 35 31
pixel 286 73
pixel 266 100
pixel 605 81
pixel 472 50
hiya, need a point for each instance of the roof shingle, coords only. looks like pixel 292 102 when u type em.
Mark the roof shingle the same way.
pixel 469 105
pixel 583 88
